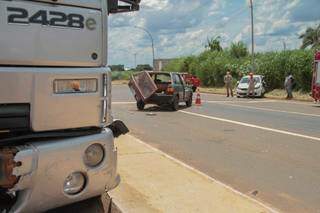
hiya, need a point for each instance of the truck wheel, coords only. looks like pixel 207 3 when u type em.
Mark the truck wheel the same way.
pixel 189 101
pixel 175 103
pixel 140 105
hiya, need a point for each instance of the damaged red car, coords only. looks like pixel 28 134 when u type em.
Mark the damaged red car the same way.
pixel 160 88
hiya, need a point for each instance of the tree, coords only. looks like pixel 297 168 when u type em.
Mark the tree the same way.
pixel 311 38
pixel 213 44
pixel 142 67
pixel 119 67
pixel 238 50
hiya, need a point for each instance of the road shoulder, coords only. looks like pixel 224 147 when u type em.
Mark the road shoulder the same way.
pixel 152 181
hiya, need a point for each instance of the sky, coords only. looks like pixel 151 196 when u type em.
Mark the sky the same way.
pixel 182 27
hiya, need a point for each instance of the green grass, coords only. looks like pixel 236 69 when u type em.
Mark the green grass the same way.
pixel 275 94
pixel 121 75
pixel 281 94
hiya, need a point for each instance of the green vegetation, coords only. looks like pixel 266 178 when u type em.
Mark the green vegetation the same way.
pixel 238 50
pixel 118 72
pixel 119 67
pixel 211 65
pixel 121 75
pixel 311 38
pixel 213 44
pixel 142 67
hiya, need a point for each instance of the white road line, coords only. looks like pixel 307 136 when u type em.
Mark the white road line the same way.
pixel 296 102
pixel 205 175
pixel 272 110
pixel 252 126
pixel 307 103
pixel 260 101
pixel 235 101
pixel 123 103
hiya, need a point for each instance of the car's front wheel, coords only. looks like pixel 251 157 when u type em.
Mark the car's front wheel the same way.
pixel 140 105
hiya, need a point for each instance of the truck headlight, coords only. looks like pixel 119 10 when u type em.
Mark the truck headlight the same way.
pixel 74 183
pixel 93 155
pixel 65 86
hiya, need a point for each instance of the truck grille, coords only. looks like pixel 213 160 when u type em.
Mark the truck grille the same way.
pixel 14 117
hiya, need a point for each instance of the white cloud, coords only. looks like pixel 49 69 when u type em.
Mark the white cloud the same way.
pixel 181 27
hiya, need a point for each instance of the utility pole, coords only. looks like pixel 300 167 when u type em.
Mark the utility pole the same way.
pixel 135 60
pixel 152 43
pixel 252 37
pixel 284 45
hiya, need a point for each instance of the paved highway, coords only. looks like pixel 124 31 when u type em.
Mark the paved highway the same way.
pixel 265 148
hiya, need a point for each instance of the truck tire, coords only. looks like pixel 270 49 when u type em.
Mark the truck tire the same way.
pixel 175 103
pixel 189 101
pixel 140 105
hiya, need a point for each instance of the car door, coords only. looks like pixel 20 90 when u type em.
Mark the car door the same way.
pixel 178 85
pixel 184 88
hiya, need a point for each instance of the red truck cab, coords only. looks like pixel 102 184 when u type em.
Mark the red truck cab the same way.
pixel 316 78
pixel 192 80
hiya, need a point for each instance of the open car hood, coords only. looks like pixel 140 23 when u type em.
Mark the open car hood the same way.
pixel 142 86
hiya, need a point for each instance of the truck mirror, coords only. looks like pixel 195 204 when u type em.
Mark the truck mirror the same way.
pixel 124 6
pixel 113 6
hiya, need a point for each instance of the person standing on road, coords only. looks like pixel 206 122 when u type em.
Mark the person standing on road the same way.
pixel 228 82
pixel 288 85
pixel 251 85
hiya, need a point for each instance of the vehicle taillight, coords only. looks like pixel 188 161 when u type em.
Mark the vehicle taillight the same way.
pixel 317 56
pixel 170 90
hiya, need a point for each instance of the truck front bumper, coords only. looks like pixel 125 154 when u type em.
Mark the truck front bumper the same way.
pixel 46 165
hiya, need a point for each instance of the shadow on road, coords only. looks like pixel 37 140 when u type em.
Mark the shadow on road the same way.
pixel 101 204
pixel 161 109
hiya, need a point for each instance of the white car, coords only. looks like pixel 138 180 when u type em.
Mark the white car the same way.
pixel 259 89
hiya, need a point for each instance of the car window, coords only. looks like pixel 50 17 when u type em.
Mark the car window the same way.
pixel 182 79
pixel 318 73
pixel 176 79
pixel 245 80
pixel 163 78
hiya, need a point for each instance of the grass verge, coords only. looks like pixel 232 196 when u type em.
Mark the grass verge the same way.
pixel 120 82
pixel 274 94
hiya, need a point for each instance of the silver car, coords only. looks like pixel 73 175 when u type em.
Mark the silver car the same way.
pixel 243 85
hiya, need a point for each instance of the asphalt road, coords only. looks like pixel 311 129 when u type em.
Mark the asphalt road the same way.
pixel 264 146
